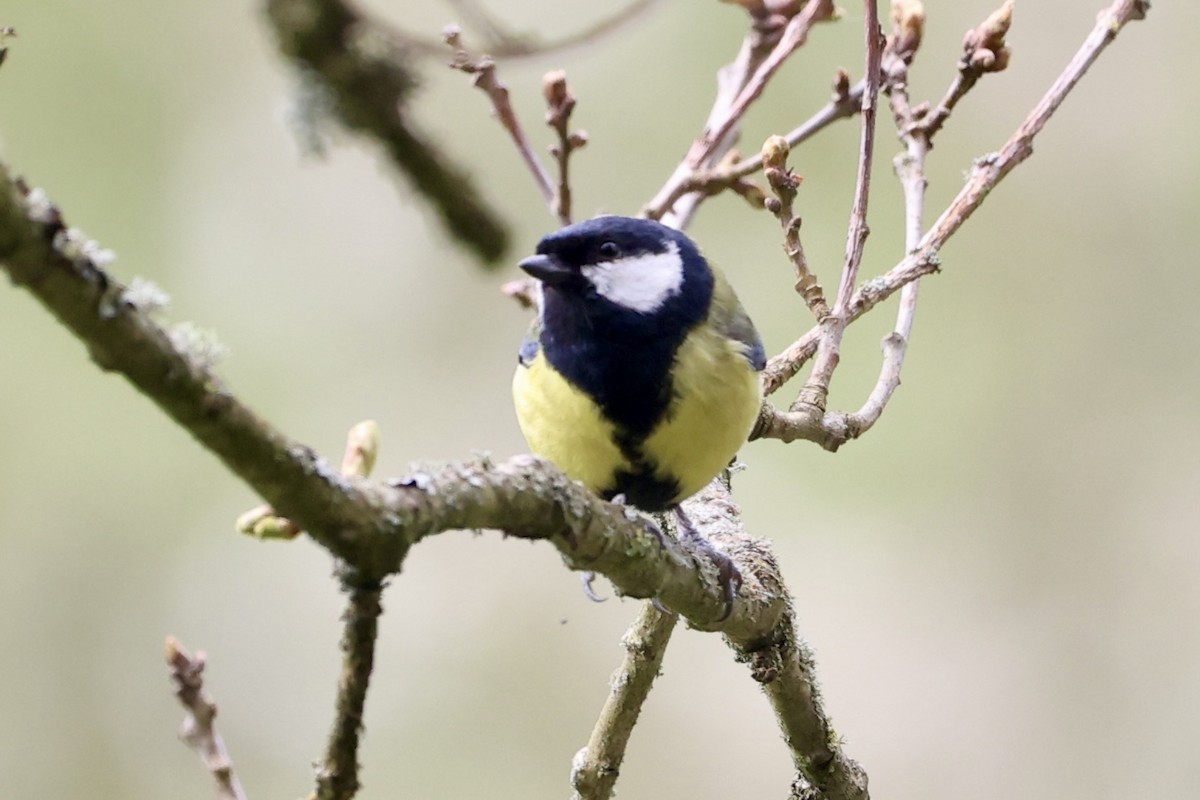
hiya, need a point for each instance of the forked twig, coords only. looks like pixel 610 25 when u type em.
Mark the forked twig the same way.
pixel 560 102
pixel 985 174
pixel 812 397
pixel 482 69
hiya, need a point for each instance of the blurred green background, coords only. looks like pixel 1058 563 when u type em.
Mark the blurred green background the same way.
pixel 1000 580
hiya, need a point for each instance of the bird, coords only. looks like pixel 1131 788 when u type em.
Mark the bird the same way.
pixel 638 376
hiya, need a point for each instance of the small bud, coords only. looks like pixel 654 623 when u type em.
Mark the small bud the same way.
pixel 773 205
pixel 908 20
pixel 362 446
pixel 452 35
pixel 578 139
pixel 775 152
pixel 841 86
pixel 554 87
pixel 984 45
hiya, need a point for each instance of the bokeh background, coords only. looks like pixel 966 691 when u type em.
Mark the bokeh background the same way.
pixel 1001 581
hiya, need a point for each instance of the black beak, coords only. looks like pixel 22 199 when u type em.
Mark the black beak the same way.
pixel 547 269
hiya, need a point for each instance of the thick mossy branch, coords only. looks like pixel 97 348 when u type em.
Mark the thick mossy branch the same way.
pixel 364 70
pixel 368 524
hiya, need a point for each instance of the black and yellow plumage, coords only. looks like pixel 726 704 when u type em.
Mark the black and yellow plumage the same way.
pixel 639 375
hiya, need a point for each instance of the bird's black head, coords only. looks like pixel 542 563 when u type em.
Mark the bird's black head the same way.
pixel 634 270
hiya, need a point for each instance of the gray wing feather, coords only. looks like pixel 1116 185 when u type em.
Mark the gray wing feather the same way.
pixel 732 321
pixel 530 345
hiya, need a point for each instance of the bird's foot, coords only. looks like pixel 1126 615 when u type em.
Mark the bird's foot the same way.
pixel 728 576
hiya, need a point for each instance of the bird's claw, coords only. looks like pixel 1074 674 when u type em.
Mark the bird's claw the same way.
pixel 728 576
pixel 588 578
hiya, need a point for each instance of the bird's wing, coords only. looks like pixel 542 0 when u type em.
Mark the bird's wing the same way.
pixel 530 345
pixel 732 321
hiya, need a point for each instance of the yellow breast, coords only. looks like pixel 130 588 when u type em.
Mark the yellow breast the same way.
pixel 715 401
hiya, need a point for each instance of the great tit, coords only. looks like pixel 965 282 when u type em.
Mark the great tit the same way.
pixel 638 377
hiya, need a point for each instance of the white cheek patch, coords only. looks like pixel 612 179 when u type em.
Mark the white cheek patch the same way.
pixel 640 283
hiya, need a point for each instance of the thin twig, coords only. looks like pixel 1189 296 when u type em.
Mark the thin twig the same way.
pixel 337 774
pixel 846 102
pixel 739 83
pixel 984 51
pixel 503 44
pixel 785 184
pixel 812 397
pixel 199 728
pixel 595 768
pixel 985 174
pixel 908 19
pixel 560 102
pixel 794 35
pixel 482 69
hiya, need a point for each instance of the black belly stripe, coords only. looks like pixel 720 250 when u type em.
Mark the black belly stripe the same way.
pixel 622 360
pixel 619 359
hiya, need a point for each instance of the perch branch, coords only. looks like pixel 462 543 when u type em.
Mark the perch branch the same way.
pixel 368 524
pixel 199 728
pixel 987 171
pixel 595 768
pixel 363 71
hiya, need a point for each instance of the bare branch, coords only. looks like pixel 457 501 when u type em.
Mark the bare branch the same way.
pixel 846 102
pixel 812 397
pixel 834 430
pixel 482 68
pixel 794 35
pixel 984 51
pixel 785 183
pixel 199 730
pixel 503 44
pixel 337 775
pixel 779 661
pixel 367 524
pixel 739 83
pixel 362 68
pixel 596 766
pixel 559 105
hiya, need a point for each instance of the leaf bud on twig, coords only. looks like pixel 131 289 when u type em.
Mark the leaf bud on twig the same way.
pixel 984 47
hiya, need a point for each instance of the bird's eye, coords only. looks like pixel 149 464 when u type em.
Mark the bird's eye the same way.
pixel 610 250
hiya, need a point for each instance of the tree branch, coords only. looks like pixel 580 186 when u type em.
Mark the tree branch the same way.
pixel 812 398
pixel 596 767
pixel 362 68
pixel 337 776
pixel 987 171
pixel 482 69
pixel 503 44
pixel 765 48
pixel 560 102
pixel 199 730
pixel 368 524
